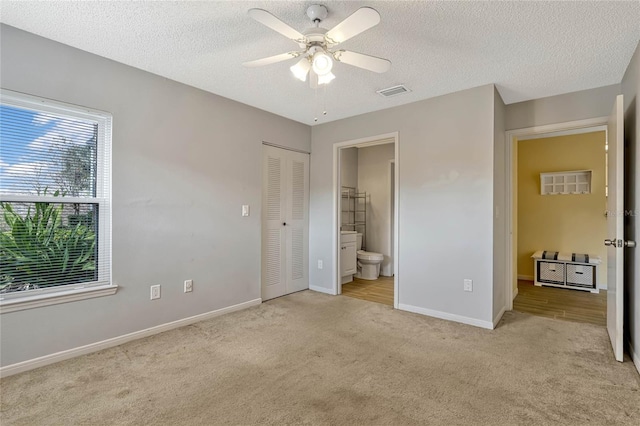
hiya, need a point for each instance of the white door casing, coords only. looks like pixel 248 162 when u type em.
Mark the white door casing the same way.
pixel 285 225
pixel 615 228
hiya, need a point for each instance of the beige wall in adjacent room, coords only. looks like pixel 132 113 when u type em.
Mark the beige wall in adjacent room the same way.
pixel 573 223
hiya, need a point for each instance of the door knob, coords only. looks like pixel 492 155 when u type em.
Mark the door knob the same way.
pixel 620 243
pixel 284 223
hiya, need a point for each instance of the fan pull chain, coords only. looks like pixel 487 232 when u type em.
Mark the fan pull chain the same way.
pixel 324 99
pixel 315 109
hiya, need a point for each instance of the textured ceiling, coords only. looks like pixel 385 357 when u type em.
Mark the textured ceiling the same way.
pixel 528 49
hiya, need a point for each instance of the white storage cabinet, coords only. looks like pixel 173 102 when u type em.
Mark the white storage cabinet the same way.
pixel 565 272
pixel 348 254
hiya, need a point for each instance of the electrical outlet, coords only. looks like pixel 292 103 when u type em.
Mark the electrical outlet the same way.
pixel 188 286
pixel 468 285
pixel 155 292
pixel 320 264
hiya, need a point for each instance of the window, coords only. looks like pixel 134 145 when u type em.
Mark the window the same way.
pixel 55 223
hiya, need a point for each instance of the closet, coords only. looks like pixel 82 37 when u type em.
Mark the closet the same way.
pixel 285 223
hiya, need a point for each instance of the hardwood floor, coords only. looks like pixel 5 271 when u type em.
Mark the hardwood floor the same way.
pixel 380 290
pixel 563 304
pixel 550 302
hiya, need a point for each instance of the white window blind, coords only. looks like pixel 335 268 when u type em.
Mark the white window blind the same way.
pixel 55 228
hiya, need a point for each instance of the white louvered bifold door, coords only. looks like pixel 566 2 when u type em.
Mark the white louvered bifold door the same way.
pixel 285 205
pixel 296 229
pixel 273 217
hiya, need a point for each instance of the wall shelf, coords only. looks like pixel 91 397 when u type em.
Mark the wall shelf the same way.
pixel 354 212
pixel 563 183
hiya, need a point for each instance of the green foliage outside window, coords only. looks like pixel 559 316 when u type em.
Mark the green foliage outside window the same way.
pixel 37 250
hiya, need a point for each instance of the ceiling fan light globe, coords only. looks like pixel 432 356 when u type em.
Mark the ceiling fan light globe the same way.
pixel 322 63
pixel 301 69
pixel 326 79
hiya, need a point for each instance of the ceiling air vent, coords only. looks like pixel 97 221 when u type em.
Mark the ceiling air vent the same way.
pixel 392 91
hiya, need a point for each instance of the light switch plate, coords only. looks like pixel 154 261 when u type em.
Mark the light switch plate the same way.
pixel 245 210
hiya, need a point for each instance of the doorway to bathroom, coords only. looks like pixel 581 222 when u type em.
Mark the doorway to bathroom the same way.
pixel 366 219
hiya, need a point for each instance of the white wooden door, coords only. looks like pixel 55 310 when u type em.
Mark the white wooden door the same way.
pixel 615 228
pixel 285 231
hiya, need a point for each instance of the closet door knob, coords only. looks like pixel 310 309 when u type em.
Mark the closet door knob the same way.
pixel 284 223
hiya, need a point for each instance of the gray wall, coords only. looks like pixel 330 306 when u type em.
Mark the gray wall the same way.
pixel 373 177
pixel 349 167
pixel 631 91
pixel 184 161
pixel 573 106
pixel 445 194
pixel 348 177
pixel 499 208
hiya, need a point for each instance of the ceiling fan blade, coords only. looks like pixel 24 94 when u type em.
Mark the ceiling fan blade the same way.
pixel 359 21
pixel 360 60
pixel 271 59
pixel 275 24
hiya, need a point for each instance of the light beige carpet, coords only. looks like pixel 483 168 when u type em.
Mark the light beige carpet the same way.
pixel 310 358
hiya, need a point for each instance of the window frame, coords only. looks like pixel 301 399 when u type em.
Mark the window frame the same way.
pixel 10 302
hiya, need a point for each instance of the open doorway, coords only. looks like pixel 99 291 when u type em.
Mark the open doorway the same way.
pixel 613 125
pixel 561 261
pixel 558 201
pixel 366 219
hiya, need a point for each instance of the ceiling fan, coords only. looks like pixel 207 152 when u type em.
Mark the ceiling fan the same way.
pixel 318 44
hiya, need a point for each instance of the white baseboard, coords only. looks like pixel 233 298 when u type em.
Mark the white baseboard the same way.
pixel 526 277
pixel 446 316
pixel 634 357
pixel 498 317
pixel 322 290
pixel 23 366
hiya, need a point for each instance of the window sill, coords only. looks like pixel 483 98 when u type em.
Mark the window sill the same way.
pixel 55 298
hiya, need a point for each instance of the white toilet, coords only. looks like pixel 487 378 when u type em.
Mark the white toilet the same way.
pixel 368 262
